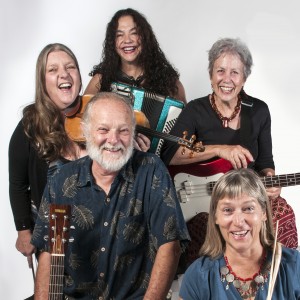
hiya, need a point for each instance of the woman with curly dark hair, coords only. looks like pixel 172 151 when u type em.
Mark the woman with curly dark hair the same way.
pixel 131 54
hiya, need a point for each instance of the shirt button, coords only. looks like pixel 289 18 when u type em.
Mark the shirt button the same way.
pixel 101 274
pixel 105 223
pixel 102 249
pixel 107 200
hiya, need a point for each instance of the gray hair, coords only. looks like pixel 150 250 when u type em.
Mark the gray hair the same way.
pixel 232 46
pixel 233 184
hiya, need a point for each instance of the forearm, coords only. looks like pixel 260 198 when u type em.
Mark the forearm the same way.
pixel 163 271
pixel 41 290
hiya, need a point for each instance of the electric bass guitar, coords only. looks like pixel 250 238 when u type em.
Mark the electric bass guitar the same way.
pixel 59 234
pixel 194 183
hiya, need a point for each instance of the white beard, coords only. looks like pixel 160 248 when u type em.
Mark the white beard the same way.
pixel 111 164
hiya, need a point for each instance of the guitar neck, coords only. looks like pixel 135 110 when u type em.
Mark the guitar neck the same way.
pixel 281 180
pixel 162 135
pixel 274 181
pixel 56 284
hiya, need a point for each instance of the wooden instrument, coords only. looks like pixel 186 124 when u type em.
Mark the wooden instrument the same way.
pixel 73 119
pixel 59 234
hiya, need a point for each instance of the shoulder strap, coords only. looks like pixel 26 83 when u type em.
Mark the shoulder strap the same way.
pixel 246 128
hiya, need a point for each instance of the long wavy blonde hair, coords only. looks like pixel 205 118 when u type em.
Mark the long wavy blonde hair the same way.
pixel 43 122
pixel 234 184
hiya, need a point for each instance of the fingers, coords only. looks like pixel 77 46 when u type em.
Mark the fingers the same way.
pixel 238 156
pixel 142 142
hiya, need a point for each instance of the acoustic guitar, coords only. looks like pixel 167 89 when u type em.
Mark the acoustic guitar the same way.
pixel 59 235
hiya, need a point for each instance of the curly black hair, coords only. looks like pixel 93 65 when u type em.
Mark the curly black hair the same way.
pixel 160 76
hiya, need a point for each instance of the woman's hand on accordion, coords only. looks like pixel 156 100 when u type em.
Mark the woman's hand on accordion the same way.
pixel 141 142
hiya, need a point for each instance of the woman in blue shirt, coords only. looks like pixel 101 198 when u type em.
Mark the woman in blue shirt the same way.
pixel 236 257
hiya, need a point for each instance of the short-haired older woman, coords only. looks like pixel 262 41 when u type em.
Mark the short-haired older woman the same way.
pixel 232 125
pixel 235 259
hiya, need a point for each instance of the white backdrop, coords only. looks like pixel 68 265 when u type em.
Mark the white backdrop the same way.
pixel 185 31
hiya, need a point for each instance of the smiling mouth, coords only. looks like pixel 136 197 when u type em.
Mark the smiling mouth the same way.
pixel 65 86
pixel 226 89
pixel 239 234
pixel 129 49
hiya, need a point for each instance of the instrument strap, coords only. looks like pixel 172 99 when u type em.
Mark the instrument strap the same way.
pixel 246 126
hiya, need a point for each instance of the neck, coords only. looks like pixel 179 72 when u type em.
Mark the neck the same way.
pixel 245 262
pixel 103 178
pixel 132 70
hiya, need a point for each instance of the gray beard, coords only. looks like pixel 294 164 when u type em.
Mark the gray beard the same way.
pixel 111 165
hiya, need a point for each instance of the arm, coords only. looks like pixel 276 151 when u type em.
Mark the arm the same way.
pixel 237 155
pixel 94 85
pixel 41 289
pixel 19 189
pixel 163 271
pixel 181 92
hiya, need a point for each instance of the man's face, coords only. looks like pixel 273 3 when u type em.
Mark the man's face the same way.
pixel 110 142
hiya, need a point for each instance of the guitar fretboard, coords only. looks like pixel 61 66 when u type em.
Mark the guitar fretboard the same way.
pixel 273 181
pixel 56 284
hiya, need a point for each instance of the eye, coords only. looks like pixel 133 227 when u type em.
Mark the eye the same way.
pixel 102 130
pixel 227 210
pixel 124 131
pixel 70 67
pixel 249 209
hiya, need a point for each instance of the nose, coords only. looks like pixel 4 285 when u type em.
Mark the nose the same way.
pixel 227 77
pixel 238 219
pixel 64 73
pixel 127 38
pixel 113 137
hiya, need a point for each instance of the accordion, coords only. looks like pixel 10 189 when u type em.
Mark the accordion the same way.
pixel 161 112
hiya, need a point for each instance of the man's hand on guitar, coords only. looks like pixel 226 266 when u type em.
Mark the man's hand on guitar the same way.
pixel 238 156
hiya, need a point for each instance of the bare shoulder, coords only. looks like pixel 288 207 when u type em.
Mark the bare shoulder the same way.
pixel 94 85
pixel 181 92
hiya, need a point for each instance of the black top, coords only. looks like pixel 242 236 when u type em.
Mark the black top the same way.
pixel 199 118
pixel 27 178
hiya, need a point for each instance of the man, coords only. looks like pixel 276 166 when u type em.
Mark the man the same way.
pixel 127 221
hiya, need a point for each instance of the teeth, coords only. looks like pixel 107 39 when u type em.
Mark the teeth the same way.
pixel 240 233
pixel 129 48
pixel 65 85
pixel 226 89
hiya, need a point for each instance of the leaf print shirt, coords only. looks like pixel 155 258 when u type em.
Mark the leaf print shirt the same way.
pixel 115 237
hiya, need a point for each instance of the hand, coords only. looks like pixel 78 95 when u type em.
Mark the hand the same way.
pixel 237 155
pixel 23 244
pixel 141 142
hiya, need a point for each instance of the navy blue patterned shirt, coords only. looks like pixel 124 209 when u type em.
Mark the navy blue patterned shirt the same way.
pixel 116 236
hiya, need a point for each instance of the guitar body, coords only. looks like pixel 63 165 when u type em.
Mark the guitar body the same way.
pixel 193 184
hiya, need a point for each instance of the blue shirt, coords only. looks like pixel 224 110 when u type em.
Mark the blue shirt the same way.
pixel 116 236
pixel 202 280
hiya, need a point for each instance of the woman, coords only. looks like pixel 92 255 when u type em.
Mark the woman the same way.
pixel 235 259
pixel 232 125
pixel 132 55
pixel 40 138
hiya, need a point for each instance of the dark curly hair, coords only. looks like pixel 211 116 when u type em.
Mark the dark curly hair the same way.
pixel 160 75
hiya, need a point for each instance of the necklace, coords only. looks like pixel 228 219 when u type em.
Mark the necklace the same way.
pixel 226 120
pixel 247 287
